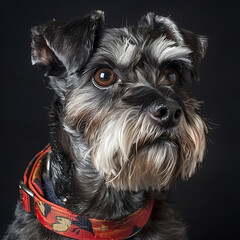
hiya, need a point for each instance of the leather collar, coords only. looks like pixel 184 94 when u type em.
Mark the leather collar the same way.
pixel 62 221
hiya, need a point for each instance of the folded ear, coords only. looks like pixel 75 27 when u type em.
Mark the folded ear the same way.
pixel 167 27
pixel 65 47
pixel 198 45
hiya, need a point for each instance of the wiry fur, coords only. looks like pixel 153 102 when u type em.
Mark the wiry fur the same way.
pixel 108 156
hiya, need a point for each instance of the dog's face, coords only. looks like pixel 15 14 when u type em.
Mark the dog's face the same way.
pixel 123 98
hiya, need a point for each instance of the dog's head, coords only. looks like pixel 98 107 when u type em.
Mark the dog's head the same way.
pixel 122 92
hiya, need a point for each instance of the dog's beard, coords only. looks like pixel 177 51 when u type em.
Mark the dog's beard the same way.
pixel 129 150
pixel 133 153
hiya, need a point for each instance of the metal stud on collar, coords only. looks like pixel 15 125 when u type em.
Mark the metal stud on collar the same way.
pixel 48 164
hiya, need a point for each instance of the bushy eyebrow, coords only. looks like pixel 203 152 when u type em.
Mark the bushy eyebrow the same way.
pixel 164 49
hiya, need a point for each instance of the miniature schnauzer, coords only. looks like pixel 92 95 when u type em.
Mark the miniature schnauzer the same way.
pixel 123 130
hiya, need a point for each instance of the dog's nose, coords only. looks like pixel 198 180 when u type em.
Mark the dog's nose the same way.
pixel 166 114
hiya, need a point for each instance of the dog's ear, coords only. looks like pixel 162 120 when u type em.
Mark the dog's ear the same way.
pixel 198 45
pixel 65 47
pixel 167 27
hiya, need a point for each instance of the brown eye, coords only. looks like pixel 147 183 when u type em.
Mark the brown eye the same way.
pixel 171 75
pixel 104 77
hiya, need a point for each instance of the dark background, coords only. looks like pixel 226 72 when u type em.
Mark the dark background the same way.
pixel 209 201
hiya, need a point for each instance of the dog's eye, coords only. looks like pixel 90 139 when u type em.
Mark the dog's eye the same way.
pixel 104 77
pixel 171 75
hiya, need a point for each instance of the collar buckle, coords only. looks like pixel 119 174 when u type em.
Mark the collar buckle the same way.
pixel 27 198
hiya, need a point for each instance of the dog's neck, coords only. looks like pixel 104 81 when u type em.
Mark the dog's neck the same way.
pixel 77 180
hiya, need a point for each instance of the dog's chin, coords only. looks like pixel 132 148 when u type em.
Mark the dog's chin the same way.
pixel 152 166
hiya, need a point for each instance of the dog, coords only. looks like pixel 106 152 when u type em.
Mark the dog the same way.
pixel 123 130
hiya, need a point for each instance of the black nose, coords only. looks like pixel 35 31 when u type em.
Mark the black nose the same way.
pixel 166 114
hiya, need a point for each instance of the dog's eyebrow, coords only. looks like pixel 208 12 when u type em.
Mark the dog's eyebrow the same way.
pixel 120 52
pixel 164 49
pixel 126 52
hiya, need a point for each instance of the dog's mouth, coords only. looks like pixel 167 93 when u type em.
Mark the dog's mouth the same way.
pixel 159 144
pixel 136 147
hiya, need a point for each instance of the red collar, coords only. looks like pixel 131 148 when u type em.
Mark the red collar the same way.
pixel 66 223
